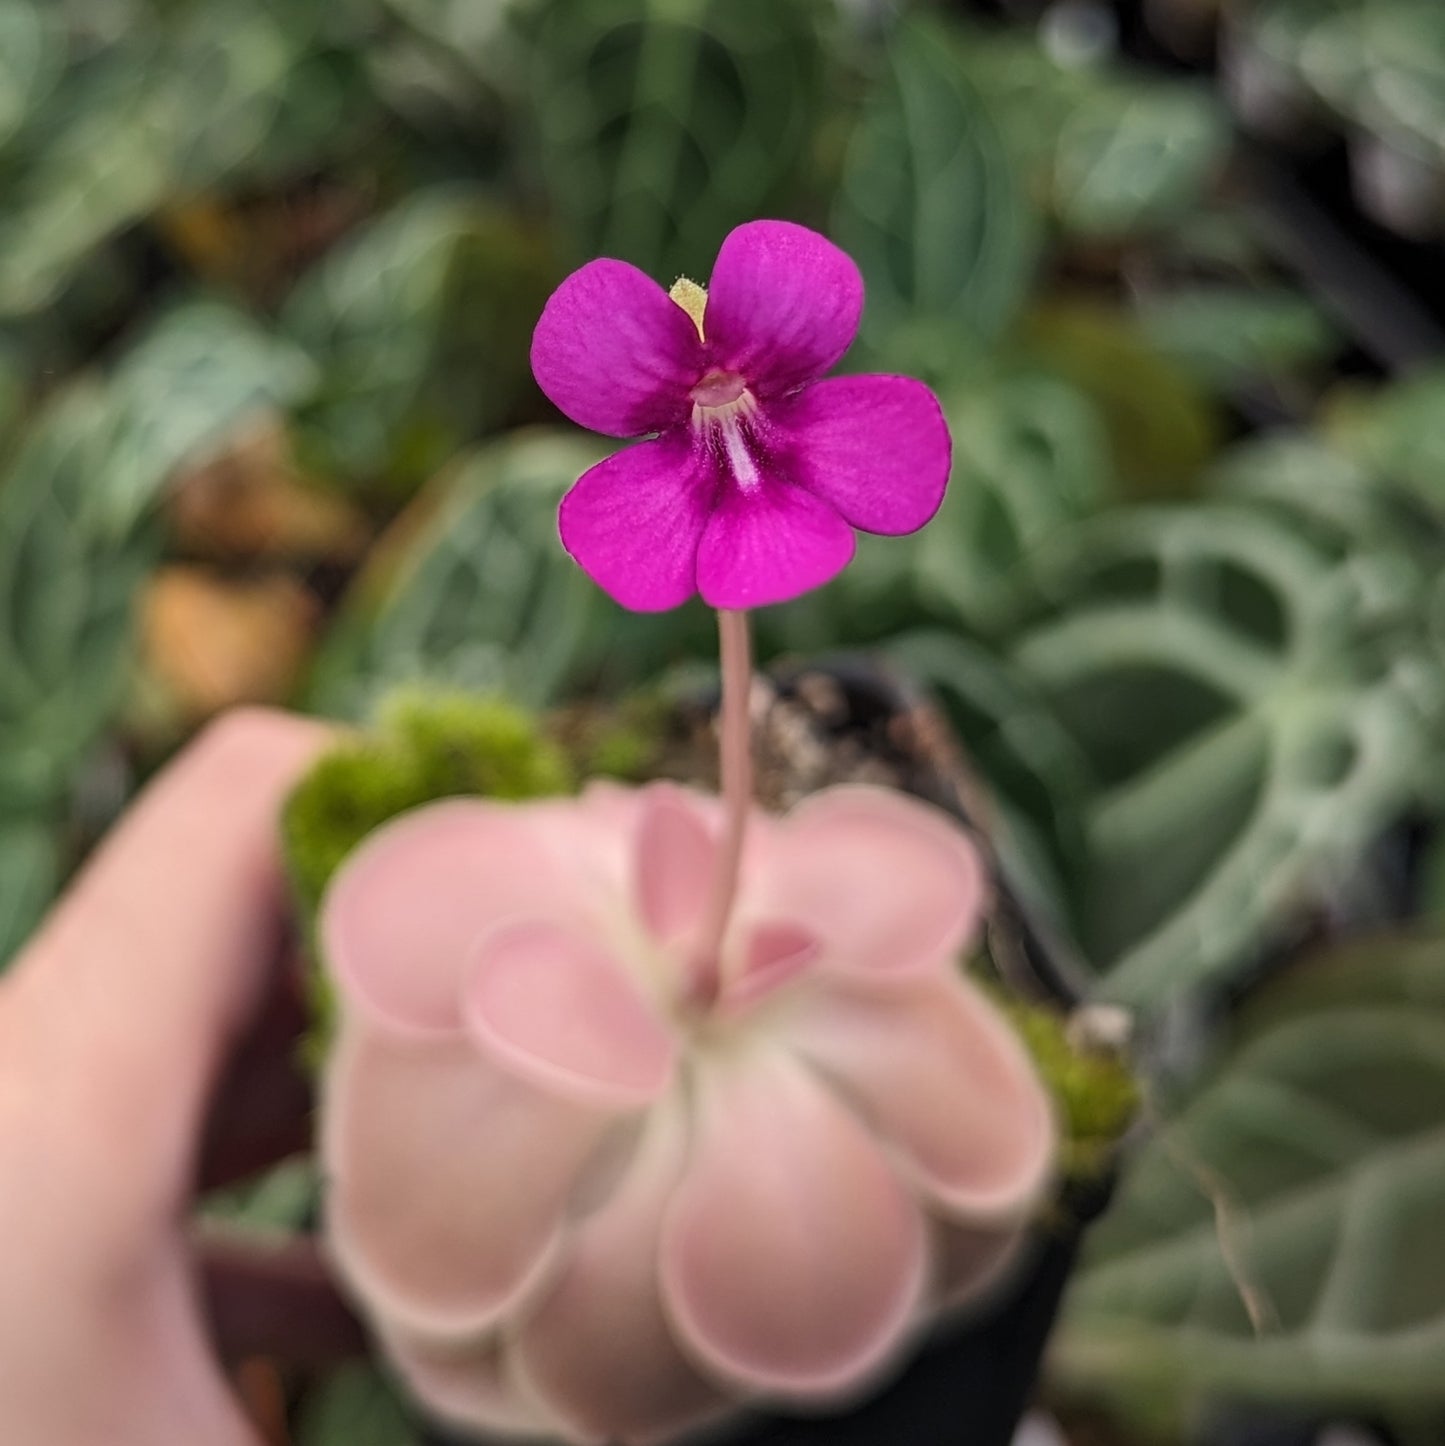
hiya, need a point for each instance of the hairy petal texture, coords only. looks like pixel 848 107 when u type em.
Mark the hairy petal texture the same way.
pixel 547 1004
pixel 874 447
pixel 449 1180
pixel 615 353
pixel 938 1072
pixel 399 923
pixel 769 544
pixel 784 1188
pixel 783 305
pixel 634 521
pixel 889 885
pixel 599 1350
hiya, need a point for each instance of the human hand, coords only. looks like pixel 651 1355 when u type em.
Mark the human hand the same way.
pixel 121 1091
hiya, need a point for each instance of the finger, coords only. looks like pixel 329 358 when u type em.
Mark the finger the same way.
pixel 153 963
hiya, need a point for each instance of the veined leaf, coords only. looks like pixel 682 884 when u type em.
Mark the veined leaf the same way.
pixel 474 592
pixel 661 127
pixel 1247 734
pixel 420 326
pixel 934 211
pixel 1322 1128
pixel 1136 154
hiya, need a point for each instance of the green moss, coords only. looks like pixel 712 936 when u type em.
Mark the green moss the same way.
pixel 426 748
pixel 1094 1092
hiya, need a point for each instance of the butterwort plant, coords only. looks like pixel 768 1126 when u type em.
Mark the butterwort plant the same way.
pixel 647 1106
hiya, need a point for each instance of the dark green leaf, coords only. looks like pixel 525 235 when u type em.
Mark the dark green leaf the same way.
pixel 933 209
pixel 660 128
pixel 1321 1130
pixel 356 1406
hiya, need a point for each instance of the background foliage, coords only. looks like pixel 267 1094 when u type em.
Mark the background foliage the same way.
pixel 268 272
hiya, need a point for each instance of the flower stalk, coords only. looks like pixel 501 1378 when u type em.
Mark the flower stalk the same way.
pixel 735 770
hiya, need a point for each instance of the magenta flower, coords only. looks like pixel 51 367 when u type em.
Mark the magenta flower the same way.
pixel 759 472
pixel 579 1204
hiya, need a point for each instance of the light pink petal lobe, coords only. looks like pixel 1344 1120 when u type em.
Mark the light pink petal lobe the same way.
pixel 876 448
pixel 615 353
pixel 633 522
pixel 552 1007
pixel 891 886
pixel 448 1181
pixel 769 543
pixel 404 913
pixel 941 1075
pixel 792 1258
pixel 469 1386
pixel 599 1350
pixel 676 855
pixel 783 305
pixel 774 953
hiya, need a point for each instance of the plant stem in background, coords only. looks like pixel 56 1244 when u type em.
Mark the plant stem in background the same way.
pixel 735 769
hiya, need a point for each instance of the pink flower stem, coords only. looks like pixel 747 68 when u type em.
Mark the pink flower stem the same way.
pixel 735 767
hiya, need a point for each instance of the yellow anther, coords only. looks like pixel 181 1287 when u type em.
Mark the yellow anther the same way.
pixel 693 300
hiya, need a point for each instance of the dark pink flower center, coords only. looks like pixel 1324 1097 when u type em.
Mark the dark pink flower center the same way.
pixel 718 389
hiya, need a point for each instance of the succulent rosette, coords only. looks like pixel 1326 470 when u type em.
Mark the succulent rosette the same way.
pixel 579 1200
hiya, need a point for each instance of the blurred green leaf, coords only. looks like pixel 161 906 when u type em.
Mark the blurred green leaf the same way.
pixel 279 1202
pixel 228 92
pixel 1137 153
pixel 1036 773
pixel 420 324
pixel 1321 1128
pixel 30 56
pixel 356 1406
pixel 1030 455
pixel 69 569
pixel 100 160
pixel 660 127
pixel 1163 425
pixel 1395 432
pixel 1248 732
pixel 476 593
pixel 934 212
pixel 200 374
pixel 1226 335
pixel 29 877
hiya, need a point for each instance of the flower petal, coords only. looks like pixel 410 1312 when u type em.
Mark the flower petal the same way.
pixel 598 1350
pixel 402 916
pixel 774 952
pixel 550 1006
pixel 876 448
pixel 448 1179
pixel 891 886
pixel 782 306
pixel 469 1386
pixel 634 521
pixel 770 543
pixel 941 1074
pixel 792 1258
pixel 676 856
pixel 615 353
